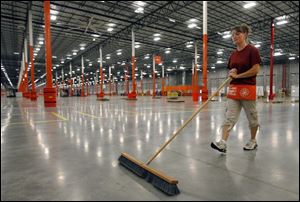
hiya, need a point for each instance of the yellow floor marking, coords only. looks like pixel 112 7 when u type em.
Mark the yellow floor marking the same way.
pixel 89 115
pixel 27 122
pixel 59 116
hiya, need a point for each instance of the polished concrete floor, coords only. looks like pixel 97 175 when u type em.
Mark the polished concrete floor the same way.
pixel 71 152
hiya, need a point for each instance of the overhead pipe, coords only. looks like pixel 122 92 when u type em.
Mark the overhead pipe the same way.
pixel 49 91
pixel 204 95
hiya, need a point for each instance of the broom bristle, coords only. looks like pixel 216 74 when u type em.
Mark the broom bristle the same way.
pixel 164 186
pixel 132 166
pixel 139 168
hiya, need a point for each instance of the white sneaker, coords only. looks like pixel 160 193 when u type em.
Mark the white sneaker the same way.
pixel 251 145
pixel 220 146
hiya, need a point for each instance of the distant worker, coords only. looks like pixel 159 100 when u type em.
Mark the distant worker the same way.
pixel 244 65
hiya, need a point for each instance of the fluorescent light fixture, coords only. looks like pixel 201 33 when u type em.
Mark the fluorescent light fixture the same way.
pixel 82 48
pixel 137 46
pixel 167 51
pixel 156 39
pixel 147 57
pixel 213 67
pixel 192 25
pixel 226 36
pixel 220 52
pixel 249 5
pixel 119 53
pixel 282 22
pixel 292 58
pixel 53 56
pixel 277 54
pixel 284 17
pixel 181 67
pixel 139 10
pixel 16 53
pixel 193 20
pixel 54 12
pixel 111 24
pixel 41 42
pixel 174 61
pixel 108 57
pixel 257 45
pixel 172 20
pixel 110 29
pixel 189 45
pixel 156 34
pixel 95 35
pixel 74 53
pixel 53 17
pixel 139 3
pixel 220 62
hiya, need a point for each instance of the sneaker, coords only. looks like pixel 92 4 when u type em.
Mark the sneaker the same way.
pixel 251 145
pixel 220 146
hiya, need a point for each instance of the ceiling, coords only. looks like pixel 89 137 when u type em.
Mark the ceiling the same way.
pixel 77 22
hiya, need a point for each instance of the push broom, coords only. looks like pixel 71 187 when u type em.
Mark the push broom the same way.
pixel 158 179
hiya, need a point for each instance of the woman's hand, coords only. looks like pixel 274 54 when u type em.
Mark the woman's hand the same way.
pixel 233 73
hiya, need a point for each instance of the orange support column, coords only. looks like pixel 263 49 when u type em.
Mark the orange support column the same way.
pixel 101 94
pixel 82 77
pixel 204 62
pixel 153 78
pixel 142 83
pixel 49 91
pixel 195 77
pixel 272 95
pixel 33 95
pixel 26 91
pixel 132 95
pixel 126 80
pixel 71 81
pixel 163 82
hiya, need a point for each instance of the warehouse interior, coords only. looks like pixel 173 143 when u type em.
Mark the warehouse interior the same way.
pixel 84 81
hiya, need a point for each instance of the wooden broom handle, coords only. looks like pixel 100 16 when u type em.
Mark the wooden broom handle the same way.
pixel 188 121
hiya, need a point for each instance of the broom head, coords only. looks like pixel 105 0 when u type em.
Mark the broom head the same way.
pixel 158 179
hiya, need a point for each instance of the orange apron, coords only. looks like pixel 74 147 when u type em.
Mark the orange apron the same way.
pixel 242 92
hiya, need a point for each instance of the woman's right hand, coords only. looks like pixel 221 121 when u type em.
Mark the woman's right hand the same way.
pixel 232 73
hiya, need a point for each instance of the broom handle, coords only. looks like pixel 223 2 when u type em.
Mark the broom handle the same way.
pixel 188 121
